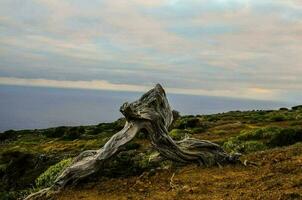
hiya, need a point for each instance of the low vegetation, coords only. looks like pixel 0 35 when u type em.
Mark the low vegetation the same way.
pixel 47 178
pixel 263 138
pixel 33 158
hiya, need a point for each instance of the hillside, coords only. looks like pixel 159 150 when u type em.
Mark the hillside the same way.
pixel 270 140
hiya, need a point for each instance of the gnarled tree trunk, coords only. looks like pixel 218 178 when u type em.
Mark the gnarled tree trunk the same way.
pixel 152 113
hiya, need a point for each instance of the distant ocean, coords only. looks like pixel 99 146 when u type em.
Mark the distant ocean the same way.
pixel 38 107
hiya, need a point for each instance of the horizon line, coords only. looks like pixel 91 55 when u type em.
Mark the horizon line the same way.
pixel 105 85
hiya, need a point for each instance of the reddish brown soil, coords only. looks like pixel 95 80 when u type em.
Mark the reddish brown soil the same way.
pixel 277 174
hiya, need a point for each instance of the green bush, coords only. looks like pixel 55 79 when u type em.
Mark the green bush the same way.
pixel 296 123
pixel 298 117
pixel 286 137
pixel 277 118
pixel 269 132
pixel 96 130
pixel 233 145
pixel 72 134
pixel 109 127
pixel 212 118
pixel 257 117
pixel 177 134
pixel 8 135
pixel 250 135
pixel 251 146
pixel 259 134
pixel 263 138
pixel 7 196
pixel 56 132
pixel 186 122
pixel 299 107
pixel 65 132
pixel 81 130
pixel 196 130
pixel 47 178
pixel 60 131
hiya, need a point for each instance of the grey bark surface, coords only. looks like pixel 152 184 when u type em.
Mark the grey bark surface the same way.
pixel 152 113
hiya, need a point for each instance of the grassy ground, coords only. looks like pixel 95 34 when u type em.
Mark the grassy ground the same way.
pixel 30 160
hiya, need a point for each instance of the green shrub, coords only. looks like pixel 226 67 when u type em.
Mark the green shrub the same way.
pixel 250 135
pixel 56 132
pixel 299 107
pixel 233 145
pixel 72 134
pixel 259 134
pixel 251 146
pixel 269 132
pixel 47 178
pixel 109 127
pixel 65 132
pixel 96 130
pixel 263 138
pixel 48 133
pixel 8 135
pixel 286 137
pixel 186 122
pixel 60 131
pixel 212 118
pixel 298 117
pixel 143 162
pixel 277 118
pixel 296 123
pixel 81 130
pixel 196 130
pixel 7 196
pixel 257 117
pixel 177 134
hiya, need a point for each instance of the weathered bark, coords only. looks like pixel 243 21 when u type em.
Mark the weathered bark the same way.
pixel 152 113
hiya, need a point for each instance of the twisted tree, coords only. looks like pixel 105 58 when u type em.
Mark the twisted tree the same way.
pixel 152 113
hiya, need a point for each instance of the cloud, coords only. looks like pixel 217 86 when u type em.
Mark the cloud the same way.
pixel 212 47
pixel 95 84
pixel 251 93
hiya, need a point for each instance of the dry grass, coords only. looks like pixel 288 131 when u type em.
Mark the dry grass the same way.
pixel 277 176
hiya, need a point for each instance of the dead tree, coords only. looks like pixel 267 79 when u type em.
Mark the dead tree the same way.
pixel 152 113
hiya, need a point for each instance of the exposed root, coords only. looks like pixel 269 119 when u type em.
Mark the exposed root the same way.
pixel 44 194
pixel 172 185
pixel 247 163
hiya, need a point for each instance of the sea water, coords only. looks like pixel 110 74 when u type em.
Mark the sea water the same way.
pixel 41 107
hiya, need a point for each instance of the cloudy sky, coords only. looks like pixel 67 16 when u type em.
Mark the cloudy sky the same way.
pixel 235 48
